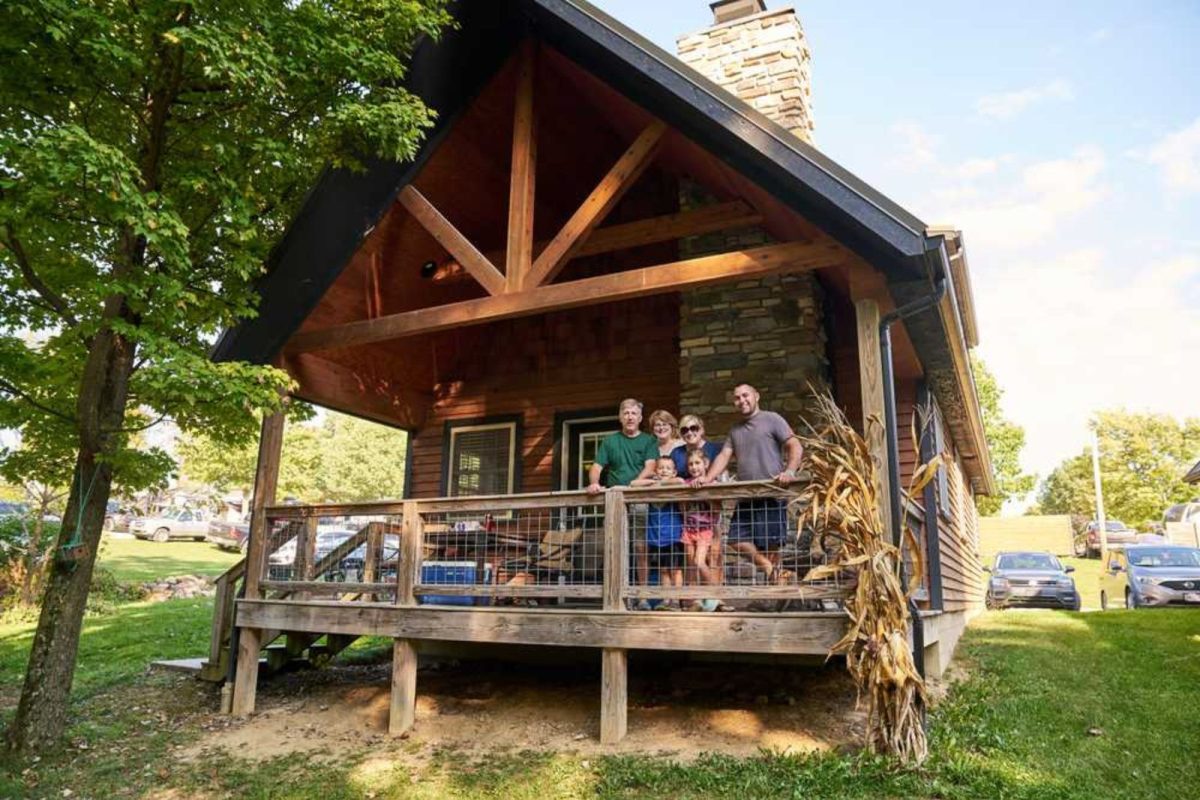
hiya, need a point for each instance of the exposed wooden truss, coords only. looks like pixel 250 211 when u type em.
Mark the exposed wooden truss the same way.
pixel 596 206
pixel 474 262
pixel 527 286
pixel 663 228
pixel 524 168
pixel 672 277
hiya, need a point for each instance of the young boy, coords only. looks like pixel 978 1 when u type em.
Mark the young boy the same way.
pixel 664 529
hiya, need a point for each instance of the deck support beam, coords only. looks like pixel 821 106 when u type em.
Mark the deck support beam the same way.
pixel 870 368
pixel 614 694
pixel 404 687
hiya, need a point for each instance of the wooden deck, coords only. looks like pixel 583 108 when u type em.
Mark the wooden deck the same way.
pixel 578 560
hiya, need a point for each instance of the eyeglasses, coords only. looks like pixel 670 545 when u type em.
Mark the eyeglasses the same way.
pixel 690 429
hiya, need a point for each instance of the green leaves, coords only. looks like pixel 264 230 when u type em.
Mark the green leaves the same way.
pixel 1005 441
pixel 1143 458
pixel 151 155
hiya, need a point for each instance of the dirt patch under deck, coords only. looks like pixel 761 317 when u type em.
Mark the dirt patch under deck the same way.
pixel 675 707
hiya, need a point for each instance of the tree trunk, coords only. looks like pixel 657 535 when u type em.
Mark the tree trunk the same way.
pixel 43 710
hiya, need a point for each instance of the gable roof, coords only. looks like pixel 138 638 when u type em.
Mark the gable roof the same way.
pixel 344 207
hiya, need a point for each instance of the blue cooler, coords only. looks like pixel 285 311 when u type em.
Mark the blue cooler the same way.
pixel 453 573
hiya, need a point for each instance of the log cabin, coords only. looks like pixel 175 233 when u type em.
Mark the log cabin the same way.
pixel 592 218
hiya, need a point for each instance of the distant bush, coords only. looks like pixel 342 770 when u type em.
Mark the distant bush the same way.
pixel 107 592
pixel 19 555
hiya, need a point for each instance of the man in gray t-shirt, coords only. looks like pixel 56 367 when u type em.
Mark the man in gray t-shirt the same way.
pixel 765 448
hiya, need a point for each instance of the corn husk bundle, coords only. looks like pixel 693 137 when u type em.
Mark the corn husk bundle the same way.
pixel 841 503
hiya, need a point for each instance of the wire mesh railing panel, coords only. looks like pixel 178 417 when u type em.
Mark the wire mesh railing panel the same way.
pixel 510 551
pixel 725 549
pixel 730 547
pixel 346 557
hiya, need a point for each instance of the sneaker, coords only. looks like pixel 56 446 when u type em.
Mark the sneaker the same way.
pixel 709 604
pixel 643 605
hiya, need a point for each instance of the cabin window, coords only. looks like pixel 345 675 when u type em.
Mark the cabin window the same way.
pixel 481 459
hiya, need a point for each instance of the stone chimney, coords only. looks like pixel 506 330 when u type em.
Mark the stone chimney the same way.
pixel 759 55
pixel 767 332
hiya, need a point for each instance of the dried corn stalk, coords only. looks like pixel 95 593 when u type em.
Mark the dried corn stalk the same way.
pixel 842 503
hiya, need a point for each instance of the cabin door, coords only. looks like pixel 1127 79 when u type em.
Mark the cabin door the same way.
pixel 580 438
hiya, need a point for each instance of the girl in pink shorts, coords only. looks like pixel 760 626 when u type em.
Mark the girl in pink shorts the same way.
pixel 699 524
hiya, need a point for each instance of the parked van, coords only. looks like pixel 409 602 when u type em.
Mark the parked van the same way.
pixel 1183 512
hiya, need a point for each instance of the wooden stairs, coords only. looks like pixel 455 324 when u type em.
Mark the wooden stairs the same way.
pixel 280 648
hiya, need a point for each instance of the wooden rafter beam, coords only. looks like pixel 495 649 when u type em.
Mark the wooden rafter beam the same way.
pixel 595 207
pixel 652 230
pixel 449 237
pixel 673 277
pixel 519 256
pixel 669 227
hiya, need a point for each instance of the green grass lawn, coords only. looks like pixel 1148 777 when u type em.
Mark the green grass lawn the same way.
pixel 140 560
pixel 1087 579
pixel 1056 706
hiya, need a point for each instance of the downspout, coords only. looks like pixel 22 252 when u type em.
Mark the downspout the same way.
pixel 893 446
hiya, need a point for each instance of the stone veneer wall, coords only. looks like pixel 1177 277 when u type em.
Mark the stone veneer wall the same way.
pixel 768 332
pixel 763 59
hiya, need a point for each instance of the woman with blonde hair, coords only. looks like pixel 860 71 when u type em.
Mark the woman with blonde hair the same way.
pixel 665 428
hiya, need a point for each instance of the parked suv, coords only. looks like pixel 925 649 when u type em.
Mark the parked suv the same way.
pixel 1031 579
pixel 1151 575
pixel 1087 544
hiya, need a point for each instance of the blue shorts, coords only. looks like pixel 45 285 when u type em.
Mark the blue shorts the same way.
pixel 763 522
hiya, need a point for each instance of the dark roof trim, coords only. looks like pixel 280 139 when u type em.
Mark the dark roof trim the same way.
pixel 344 207
pixel 1193 475
pixel 759 148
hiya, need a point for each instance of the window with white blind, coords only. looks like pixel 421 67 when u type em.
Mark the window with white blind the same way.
pixel 481 459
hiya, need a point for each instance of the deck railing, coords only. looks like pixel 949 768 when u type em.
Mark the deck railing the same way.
pixel 614 551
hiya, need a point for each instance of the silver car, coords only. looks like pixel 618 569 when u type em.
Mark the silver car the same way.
pixel 1145 575
pixel 1037 580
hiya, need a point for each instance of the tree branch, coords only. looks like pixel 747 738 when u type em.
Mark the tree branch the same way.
pixel 52 298
pixel 18 392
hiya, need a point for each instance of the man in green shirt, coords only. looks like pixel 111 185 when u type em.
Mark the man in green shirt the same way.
pixel 625 456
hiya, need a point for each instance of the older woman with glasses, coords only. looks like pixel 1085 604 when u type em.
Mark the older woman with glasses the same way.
pixel 666 432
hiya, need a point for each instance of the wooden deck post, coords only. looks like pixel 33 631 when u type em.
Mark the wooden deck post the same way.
pixel 870 370
pixel 614 660
pixel 266 478
pixel 404 687
pixel 614 675
pixel 245 684
pixel 408 572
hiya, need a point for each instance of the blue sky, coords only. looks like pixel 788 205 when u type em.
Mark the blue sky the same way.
pixel 1064 139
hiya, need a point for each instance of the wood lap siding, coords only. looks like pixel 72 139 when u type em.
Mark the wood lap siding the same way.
pixel 962 575
pixel 584 359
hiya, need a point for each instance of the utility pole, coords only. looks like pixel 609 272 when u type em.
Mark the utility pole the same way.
pixel 1101 526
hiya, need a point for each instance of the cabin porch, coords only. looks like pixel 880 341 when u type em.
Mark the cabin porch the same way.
pixel 556 569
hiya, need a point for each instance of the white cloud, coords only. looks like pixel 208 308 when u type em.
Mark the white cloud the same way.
pixel 1032 208
pixel 1177 155
pixel 916 147
pixel 1006 105
pixel 976 168
pixel 1067 335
